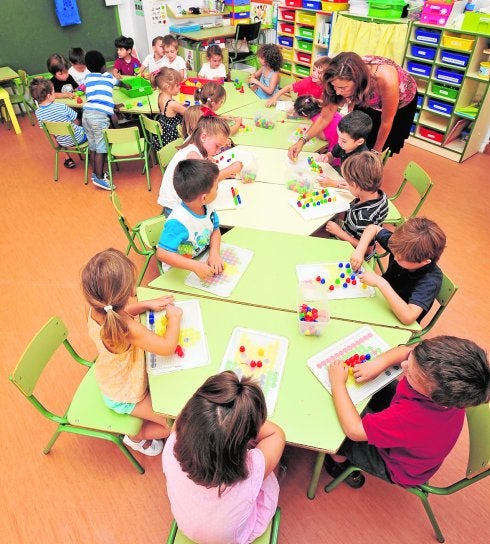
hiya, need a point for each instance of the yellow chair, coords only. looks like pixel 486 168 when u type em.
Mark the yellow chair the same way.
pixel 55 128
pixel 8 110
pixel 269 537
pixel 87 414
pixel 165 154
pixel 150 128
pixel 123 145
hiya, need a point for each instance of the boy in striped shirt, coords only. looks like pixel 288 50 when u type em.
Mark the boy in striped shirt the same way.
pixel 42 91
pixel 97 112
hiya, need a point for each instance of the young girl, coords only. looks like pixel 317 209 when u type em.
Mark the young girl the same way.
pixel 209 136
pixel 309 107
pixel 108 281
pixel 190 119
pixel 265 81
pixel 219 462
pixel 212 96
pixel 214 69
pixel 171 112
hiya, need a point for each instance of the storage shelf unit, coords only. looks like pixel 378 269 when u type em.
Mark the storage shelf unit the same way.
pixel 445 64
pixel 303 36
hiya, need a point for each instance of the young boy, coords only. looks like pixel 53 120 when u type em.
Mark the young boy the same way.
pixel 193 226
pixel 97 112
pixel 415 425
pixel 42 91
pixel 413 279
pixel 78 69
pixel 153 61
pixel 311 85
pixel 363 173
pixel 172 60
pixel 62 81
pixel 126 64
pixel 353 130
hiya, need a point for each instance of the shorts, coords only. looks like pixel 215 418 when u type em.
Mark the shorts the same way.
pixel 366 457
pixel 119 407
pixel 94 122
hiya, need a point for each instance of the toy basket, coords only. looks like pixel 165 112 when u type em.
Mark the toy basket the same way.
pixel 139 87
pixel 191 84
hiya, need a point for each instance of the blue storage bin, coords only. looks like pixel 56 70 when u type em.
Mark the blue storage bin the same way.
pixel 237 2
pixel 428 53
pixel 456 78
pixel 418 69
pixel 420 100
pixel 312 4
pixel 456 59
pixel 440 107
pixel 427 35
pixel 285 40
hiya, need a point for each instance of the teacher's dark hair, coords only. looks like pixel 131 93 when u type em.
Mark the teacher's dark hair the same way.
pixel 351 67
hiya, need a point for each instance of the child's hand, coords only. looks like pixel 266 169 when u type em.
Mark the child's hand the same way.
pixel 338 373
pixel 253 81
pixel 356 260
pixel 204 271
pixel 161 303
pixel 236 167
pixel 369 278
pixel 216 264
pixel 173 312
pixel 332 228
pixel 325 181
pixel 271 102
pixel 367 371
pixel 321 157
pixel 237 120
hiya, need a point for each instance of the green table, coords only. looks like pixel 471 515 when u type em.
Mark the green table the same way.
pixel 304 408
pixel 270 280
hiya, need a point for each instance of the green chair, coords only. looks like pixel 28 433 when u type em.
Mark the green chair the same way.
pixel 478 465
pixel 385 155
pixel 416 176
pixel 165 154
pixel 143 237
pixel 87 414
pixel 150 128
pixel 53 129
pixel 19 97
pixel 269 537
pixel 123 145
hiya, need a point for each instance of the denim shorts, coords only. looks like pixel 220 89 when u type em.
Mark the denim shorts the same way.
pixel 94 122
pixel 119 407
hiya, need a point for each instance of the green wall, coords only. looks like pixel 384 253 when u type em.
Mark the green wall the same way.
pixel 30 32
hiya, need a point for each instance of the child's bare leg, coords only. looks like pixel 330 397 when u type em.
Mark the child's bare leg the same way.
pixel 155 425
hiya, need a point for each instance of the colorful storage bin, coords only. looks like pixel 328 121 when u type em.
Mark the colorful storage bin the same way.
pixel 306 32
pixel 449 76
pixel 304 45
pixel 418 69
pixel 287 54
pixel 427 35
pixel 420 100
pixel 312 4
pixel 138 87
pixel 303 57
pixel 428 53
pixel 440 107
pixel 306 18
pixel 435 13
pixel 286 67
pixel 285 41
pixel 237 2
pixel 334 5
pixel 302 70
pixel 458 42
pixel 388 9
pixel 431 134
pixel 294 3
pixel 286 28
pixel 455 59
pixel 445 92
pixel 476 22
pixel 287 15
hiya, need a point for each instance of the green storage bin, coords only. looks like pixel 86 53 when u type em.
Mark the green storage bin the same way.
pixel 476 22
pixel 286 66
pixel 139 87
pixel 306 32
pixel 237 9
pixel 302 70
pixel 305 46
pixel 386 9
pixel 445 92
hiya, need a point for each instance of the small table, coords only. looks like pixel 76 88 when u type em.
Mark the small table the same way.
pixel 7 75
pixel 304 408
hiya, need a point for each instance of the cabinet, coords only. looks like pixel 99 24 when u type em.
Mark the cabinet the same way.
pixel 453 112
pixel 303 36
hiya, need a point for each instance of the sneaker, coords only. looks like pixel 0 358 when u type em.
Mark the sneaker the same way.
pixel 103 183
pixel 354 480
pixel 153 449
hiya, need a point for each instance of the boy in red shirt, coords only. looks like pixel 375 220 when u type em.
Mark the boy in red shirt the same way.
pixel 407 434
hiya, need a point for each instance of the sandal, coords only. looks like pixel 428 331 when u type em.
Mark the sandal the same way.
pixel 153 449
pixel 69 163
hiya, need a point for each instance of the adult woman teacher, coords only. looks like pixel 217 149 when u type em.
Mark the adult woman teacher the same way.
pixel 375 85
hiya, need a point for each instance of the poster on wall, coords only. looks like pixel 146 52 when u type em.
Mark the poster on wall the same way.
pixel 261 11
pixel 138 7
pixel 67 12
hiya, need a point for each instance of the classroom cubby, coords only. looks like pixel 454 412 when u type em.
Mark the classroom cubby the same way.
pixel 453 112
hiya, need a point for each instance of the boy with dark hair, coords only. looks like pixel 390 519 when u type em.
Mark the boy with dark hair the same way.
pixel 78 69
pixel 193 226
pixel 62 81
pixel 97 112
pixel 413 279
pixel 416 424
pixel 126 64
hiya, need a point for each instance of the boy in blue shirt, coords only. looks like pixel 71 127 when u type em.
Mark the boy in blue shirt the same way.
pixel 193 226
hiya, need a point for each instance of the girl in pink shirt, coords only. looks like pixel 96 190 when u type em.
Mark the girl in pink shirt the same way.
pixel 219 462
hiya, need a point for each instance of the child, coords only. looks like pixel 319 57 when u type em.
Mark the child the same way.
pixel 97 110
pixel 108 282
pixel 413 279
pixel 78 70
pixel 42 91
pixel 62 81
pixel 353 129
pixel 170 116
pixel 219 462
pixel 212 96
pixel 311 85
pixel 126 64
pixel 265 81
pixel 214 69
pixel 309 107
pixel 363 173
pixel 172 60
pixel 190 119
pixel 209 136
pixel 193 226
pixel 412 430
pixel 153 61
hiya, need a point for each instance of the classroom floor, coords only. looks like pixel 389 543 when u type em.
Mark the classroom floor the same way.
pixel 85 491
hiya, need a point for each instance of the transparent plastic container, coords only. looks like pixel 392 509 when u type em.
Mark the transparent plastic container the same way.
pixel 313 315
pixel 265 118
pixel 250 167
pixel 300 178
